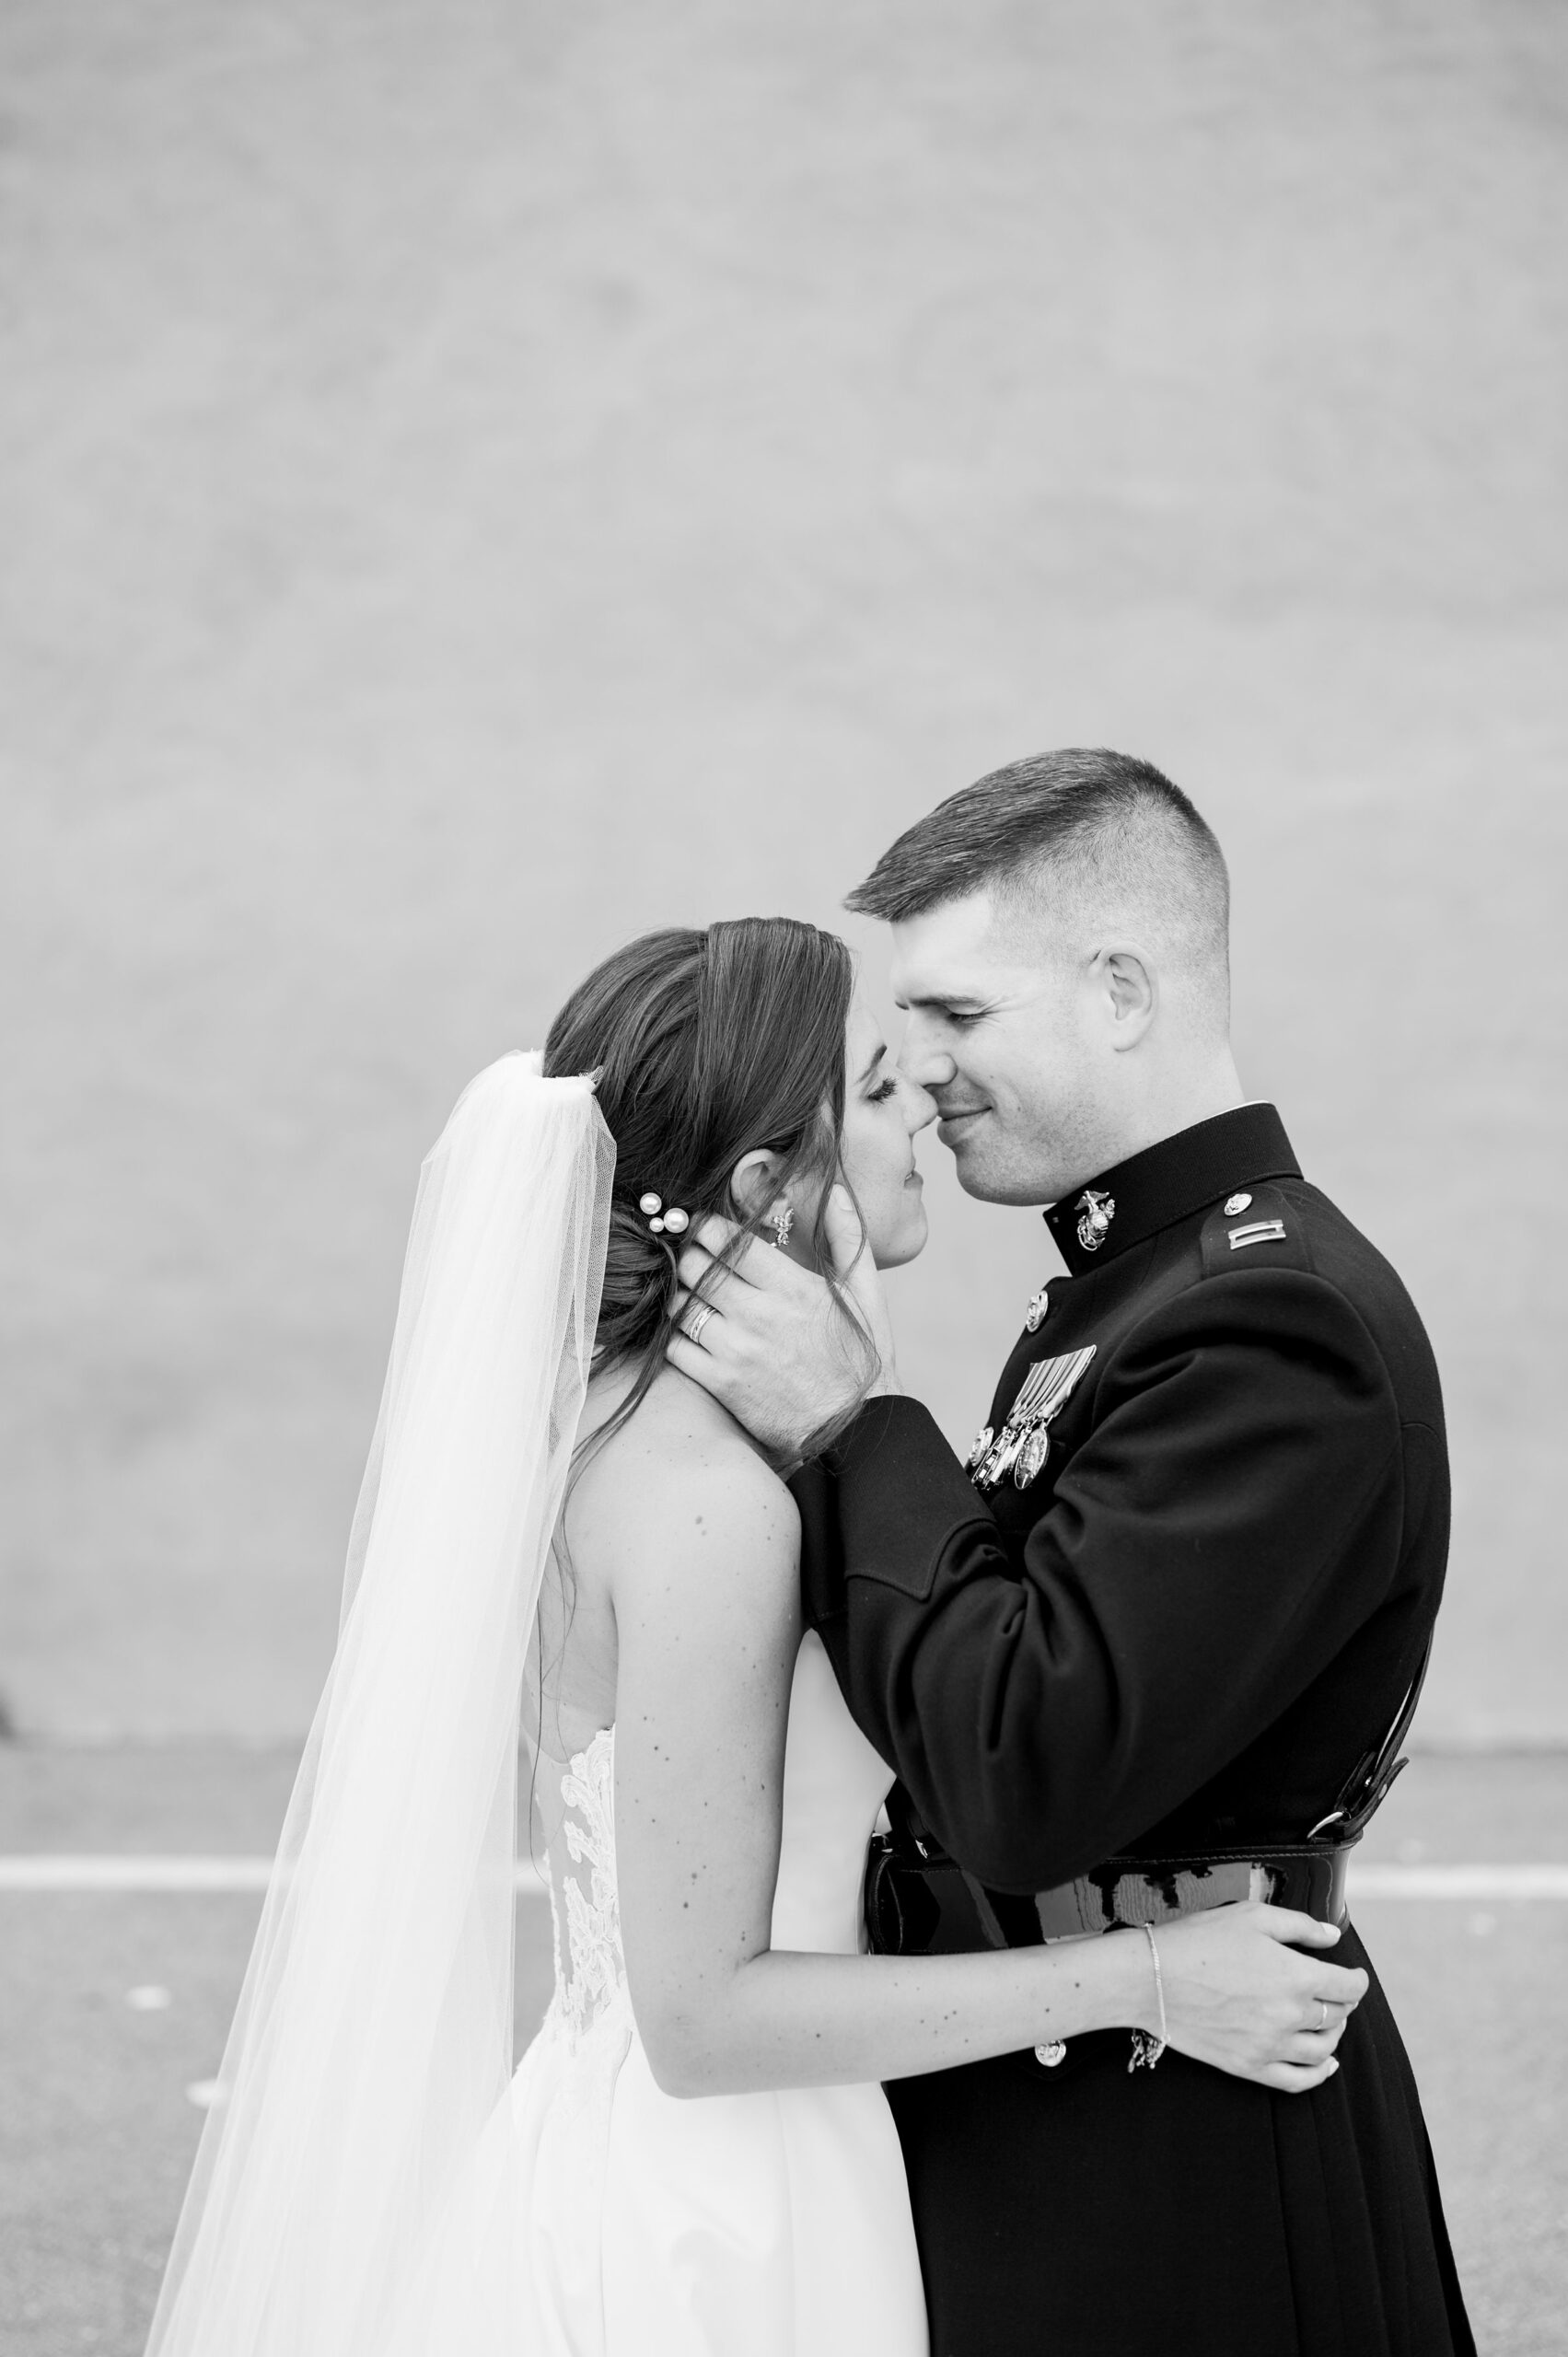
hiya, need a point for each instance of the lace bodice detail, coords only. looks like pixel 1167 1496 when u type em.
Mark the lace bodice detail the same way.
pixel 833 1786
pixel 590 1971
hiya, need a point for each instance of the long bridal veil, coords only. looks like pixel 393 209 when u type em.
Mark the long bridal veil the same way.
pixel 373 2038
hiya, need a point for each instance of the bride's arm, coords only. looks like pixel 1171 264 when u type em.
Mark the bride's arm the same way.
pixel 707 1619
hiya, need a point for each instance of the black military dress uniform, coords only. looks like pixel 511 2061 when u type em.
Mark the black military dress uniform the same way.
pixel 1173 1621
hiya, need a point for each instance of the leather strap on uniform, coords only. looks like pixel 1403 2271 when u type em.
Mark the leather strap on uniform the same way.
pixel 1369 1782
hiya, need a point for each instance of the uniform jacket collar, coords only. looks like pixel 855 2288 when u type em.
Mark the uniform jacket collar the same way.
pixel 1169 1181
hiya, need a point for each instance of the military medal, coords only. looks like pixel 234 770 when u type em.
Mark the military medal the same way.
pixel 1032 1456
pixel 1098 1210
pixel 1003 1456
pixel 1023 1445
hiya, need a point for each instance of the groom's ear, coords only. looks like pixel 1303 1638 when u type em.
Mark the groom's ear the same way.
pixel 753 1182
pixel 1131 993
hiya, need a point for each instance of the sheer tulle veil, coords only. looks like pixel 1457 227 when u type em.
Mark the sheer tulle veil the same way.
pixel 373 2038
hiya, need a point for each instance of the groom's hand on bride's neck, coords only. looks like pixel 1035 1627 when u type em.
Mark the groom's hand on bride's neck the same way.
pixel 778 1347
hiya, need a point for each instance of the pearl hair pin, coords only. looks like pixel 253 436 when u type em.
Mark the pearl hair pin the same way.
pixel 673 1222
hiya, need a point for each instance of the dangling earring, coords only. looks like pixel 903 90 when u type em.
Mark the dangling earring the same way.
pixel 782 1220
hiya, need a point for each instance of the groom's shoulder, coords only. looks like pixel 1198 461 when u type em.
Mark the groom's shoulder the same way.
pixel 1290 1223
pixel 1256 1228
pixel 1288 1229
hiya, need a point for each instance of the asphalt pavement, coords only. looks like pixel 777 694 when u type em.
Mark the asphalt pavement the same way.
pixel 116 2007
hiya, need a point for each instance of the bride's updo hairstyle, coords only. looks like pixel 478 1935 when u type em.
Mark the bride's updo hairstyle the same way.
pixel 707 1046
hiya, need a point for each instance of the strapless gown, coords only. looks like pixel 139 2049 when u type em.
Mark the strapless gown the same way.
pixel 603 2218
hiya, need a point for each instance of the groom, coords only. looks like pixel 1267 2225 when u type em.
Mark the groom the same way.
pixel 1156 1646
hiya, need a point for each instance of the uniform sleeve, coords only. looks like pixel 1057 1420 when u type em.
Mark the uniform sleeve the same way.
pixel 1230 1520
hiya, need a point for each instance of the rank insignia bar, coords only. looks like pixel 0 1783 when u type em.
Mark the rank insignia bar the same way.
pixel 1023 1445
pixel 1258 1231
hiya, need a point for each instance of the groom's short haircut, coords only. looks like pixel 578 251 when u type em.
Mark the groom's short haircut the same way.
pixel 1081 835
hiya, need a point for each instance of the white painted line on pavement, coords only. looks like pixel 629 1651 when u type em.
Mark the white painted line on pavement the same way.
pixel 180 1873
pixel 175 1872
pixel 135 1873
pixel 1457 1882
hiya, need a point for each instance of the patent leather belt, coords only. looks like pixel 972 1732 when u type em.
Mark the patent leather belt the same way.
pixel 928 1905
pixel 918 1901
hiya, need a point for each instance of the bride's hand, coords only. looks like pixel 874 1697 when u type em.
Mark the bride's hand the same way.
pixel 1237 1997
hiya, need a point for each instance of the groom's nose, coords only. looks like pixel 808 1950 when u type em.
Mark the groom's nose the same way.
pixel 922 1063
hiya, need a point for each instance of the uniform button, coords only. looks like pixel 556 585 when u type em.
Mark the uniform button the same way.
pixel 1051 2055
pixel 1234 1203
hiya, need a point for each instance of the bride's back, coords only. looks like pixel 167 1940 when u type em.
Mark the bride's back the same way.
pixel 672 1487
pixel 664 1476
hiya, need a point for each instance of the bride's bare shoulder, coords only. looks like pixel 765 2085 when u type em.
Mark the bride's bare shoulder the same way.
pixel 678 1472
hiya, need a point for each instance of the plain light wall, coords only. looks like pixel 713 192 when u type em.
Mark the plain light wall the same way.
pixel 481 480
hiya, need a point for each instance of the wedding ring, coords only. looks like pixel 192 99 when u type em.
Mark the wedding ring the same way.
pixel 692 1326
pixel 1323 2009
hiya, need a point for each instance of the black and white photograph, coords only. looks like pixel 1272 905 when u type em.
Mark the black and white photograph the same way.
pixel 785 798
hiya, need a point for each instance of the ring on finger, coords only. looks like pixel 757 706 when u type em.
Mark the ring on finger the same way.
pixel 692 1326
pixel 1323 2009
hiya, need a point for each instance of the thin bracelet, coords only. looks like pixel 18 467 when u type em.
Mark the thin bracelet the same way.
pixel 1147 2049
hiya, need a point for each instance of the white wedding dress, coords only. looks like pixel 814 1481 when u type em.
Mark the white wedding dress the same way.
pixel 604 2218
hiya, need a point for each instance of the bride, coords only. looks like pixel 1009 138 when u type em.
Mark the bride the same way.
pixel 561 1540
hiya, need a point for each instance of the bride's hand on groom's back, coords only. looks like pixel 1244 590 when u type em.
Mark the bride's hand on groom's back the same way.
pixel 787 1352
pixel 1239 1993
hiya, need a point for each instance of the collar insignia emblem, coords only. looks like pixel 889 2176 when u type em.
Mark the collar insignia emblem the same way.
pixel 1023 1445
pixel 1098 1210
